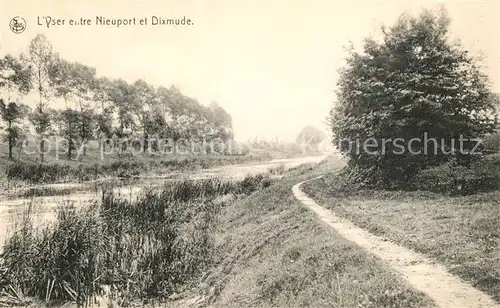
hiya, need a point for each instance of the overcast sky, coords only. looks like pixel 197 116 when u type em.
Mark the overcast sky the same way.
pixel 271 64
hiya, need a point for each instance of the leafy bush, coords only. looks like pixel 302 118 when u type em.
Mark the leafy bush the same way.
pixel 493 160
pixel 491 143
pixel 253 183
pixel 355 177
pixel 459 180
pixel 397 89
pixel 277 170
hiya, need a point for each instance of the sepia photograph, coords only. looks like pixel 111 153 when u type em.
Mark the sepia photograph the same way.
pixel 247 153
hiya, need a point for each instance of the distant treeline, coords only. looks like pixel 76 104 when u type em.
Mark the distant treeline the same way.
pixel 96 108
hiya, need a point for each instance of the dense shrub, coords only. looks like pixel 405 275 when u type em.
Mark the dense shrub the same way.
pixel 493 160
pixel 450 178
pixel 253 183
pixel 354 177
pixel 398 88
pixel 459 180
pixel 277 170
pixel 491 143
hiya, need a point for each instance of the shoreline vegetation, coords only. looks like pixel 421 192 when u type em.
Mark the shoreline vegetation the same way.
pixel 20 191
pixel 149 247
pixel 197 241
pixel 57 172
pixel 89 163
pixel 30 178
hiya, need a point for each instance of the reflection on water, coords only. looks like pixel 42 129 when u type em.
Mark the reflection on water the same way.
pixel 43 208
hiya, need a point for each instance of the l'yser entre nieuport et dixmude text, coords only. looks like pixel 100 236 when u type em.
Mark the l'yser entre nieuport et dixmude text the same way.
pixel 49 21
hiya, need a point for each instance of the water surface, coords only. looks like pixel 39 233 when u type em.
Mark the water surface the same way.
pixel 43 208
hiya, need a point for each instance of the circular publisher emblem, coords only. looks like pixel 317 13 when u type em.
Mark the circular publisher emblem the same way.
pixel 17 24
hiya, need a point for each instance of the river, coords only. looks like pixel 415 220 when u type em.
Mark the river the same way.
pixel 43 208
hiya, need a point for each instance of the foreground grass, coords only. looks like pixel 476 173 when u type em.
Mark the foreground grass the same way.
pixel 258 251
pixel 149 247
pixel 275 253
pixel 461 232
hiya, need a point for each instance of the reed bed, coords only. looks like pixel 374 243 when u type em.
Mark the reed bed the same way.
pixel 63 172
pixel 148 247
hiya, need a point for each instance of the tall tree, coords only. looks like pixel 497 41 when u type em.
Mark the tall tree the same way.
pixel 15 79
pixel 87 127
pixel 122 96
pixel 413 82
pixel 221 122
pixel 67 122
pixel 104 110
pixel 11 114
pixel 310 137
pixel 145 103
pixel 84 78
pixel 14 76
pixel 41 60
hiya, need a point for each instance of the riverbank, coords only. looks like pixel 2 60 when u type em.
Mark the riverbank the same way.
pixel 265 250
pixel 62 171
pixel 140 248
pixel 275 253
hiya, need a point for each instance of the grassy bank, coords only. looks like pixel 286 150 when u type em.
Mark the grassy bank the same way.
pixel 461 232
pixel 58 167
pixel 144 249
pixel 274 253
pixel 61 171
pixel 32 192
pixel 224 244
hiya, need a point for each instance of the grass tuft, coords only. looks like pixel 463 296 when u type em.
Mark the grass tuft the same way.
pixel 149 247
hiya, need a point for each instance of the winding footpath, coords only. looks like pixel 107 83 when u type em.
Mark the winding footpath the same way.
pixel 424 274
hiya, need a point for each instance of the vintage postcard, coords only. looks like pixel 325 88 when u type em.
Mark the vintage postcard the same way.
pixel 237 153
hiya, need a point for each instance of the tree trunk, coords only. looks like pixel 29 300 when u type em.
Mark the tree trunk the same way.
pixel 10 147
pixel 145 144
pixel 40 109
pixel 70 148
pixel 11 141
pixel 82 129
pixel 42 149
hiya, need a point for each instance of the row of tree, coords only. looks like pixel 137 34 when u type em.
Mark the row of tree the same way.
pixel 96 107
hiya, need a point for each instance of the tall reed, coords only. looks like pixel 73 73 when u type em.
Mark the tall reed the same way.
pixel 147 247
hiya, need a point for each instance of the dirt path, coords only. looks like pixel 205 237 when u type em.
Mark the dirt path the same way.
pixel 424 274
